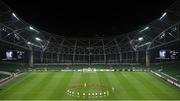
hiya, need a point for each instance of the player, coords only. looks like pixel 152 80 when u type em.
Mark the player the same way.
pixel 113 89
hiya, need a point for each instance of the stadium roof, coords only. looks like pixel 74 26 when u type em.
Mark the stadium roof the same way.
pixel 21 30
pixel 88 20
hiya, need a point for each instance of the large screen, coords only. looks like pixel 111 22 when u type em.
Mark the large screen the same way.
pixel 168 54
pixel 162 54
pixel 9 55
pixel 13 55
pixel 174 54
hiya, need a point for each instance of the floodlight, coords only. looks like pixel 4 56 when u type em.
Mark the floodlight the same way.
pixel 31 28
pixel 28 43
pixel 164 14
pixel 146 28
pixel 38 39
pixel 15 16
pixel 140 39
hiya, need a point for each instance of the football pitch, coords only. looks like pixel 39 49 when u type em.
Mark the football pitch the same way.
pixel 88 86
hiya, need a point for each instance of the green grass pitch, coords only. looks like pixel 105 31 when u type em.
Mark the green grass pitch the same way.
pixel 93 86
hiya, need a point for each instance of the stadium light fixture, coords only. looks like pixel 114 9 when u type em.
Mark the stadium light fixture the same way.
pixel 38 39
pixel 28 43
pixel 15 16
pixel 140 39
pixel 146 28
pixel 164 14
pixel 31 28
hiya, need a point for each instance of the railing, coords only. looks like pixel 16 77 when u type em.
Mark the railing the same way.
pixel 167 78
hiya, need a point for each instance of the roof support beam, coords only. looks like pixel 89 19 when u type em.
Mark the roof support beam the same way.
pixel 30 58
pixel 131 43
pixel 163 44
pixel 175 39
pixel 119 50
pixel 74 52
pixel 104 52
pixel 15 44
pixel 147 58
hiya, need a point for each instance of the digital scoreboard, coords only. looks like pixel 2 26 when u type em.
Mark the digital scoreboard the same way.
pixel 13 55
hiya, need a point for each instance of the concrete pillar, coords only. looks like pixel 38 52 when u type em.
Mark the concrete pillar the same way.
pixel 137 56
pixel 105 60
pixel 89 59
pixel 74 52
pixel 127 57
pixel 41 56
pixel 120 58
pixel 62 58
pixel 31 58
pixel 120 55
pixel 51 57
pixel 104 53
pixel 147 59
pixel 58 57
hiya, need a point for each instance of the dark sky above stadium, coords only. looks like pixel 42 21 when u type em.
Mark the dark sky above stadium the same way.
pixel 88 18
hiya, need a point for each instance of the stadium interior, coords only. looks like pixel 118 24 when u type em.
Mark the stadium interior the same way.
pixel 153 48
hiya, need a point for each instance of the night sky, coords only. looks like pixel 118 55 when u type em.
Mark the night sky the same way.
pixel 88 19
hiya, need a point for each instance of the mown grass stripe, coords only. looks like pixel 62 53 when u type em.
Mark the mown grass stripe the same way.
pixel 52 86
pixel 155 86
pixel 116 82
pixel 145 87
pixel 59 78
pixel 165 85
pixel 105 78
pixel 128 86
pixel 17 91
pixel 62 86
pixel 102 78
pixel 88 78
pixel 95 79
pixel 76 79
pixel 85 78
pixel 164 89
pixel 13 83
pixel 40 86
